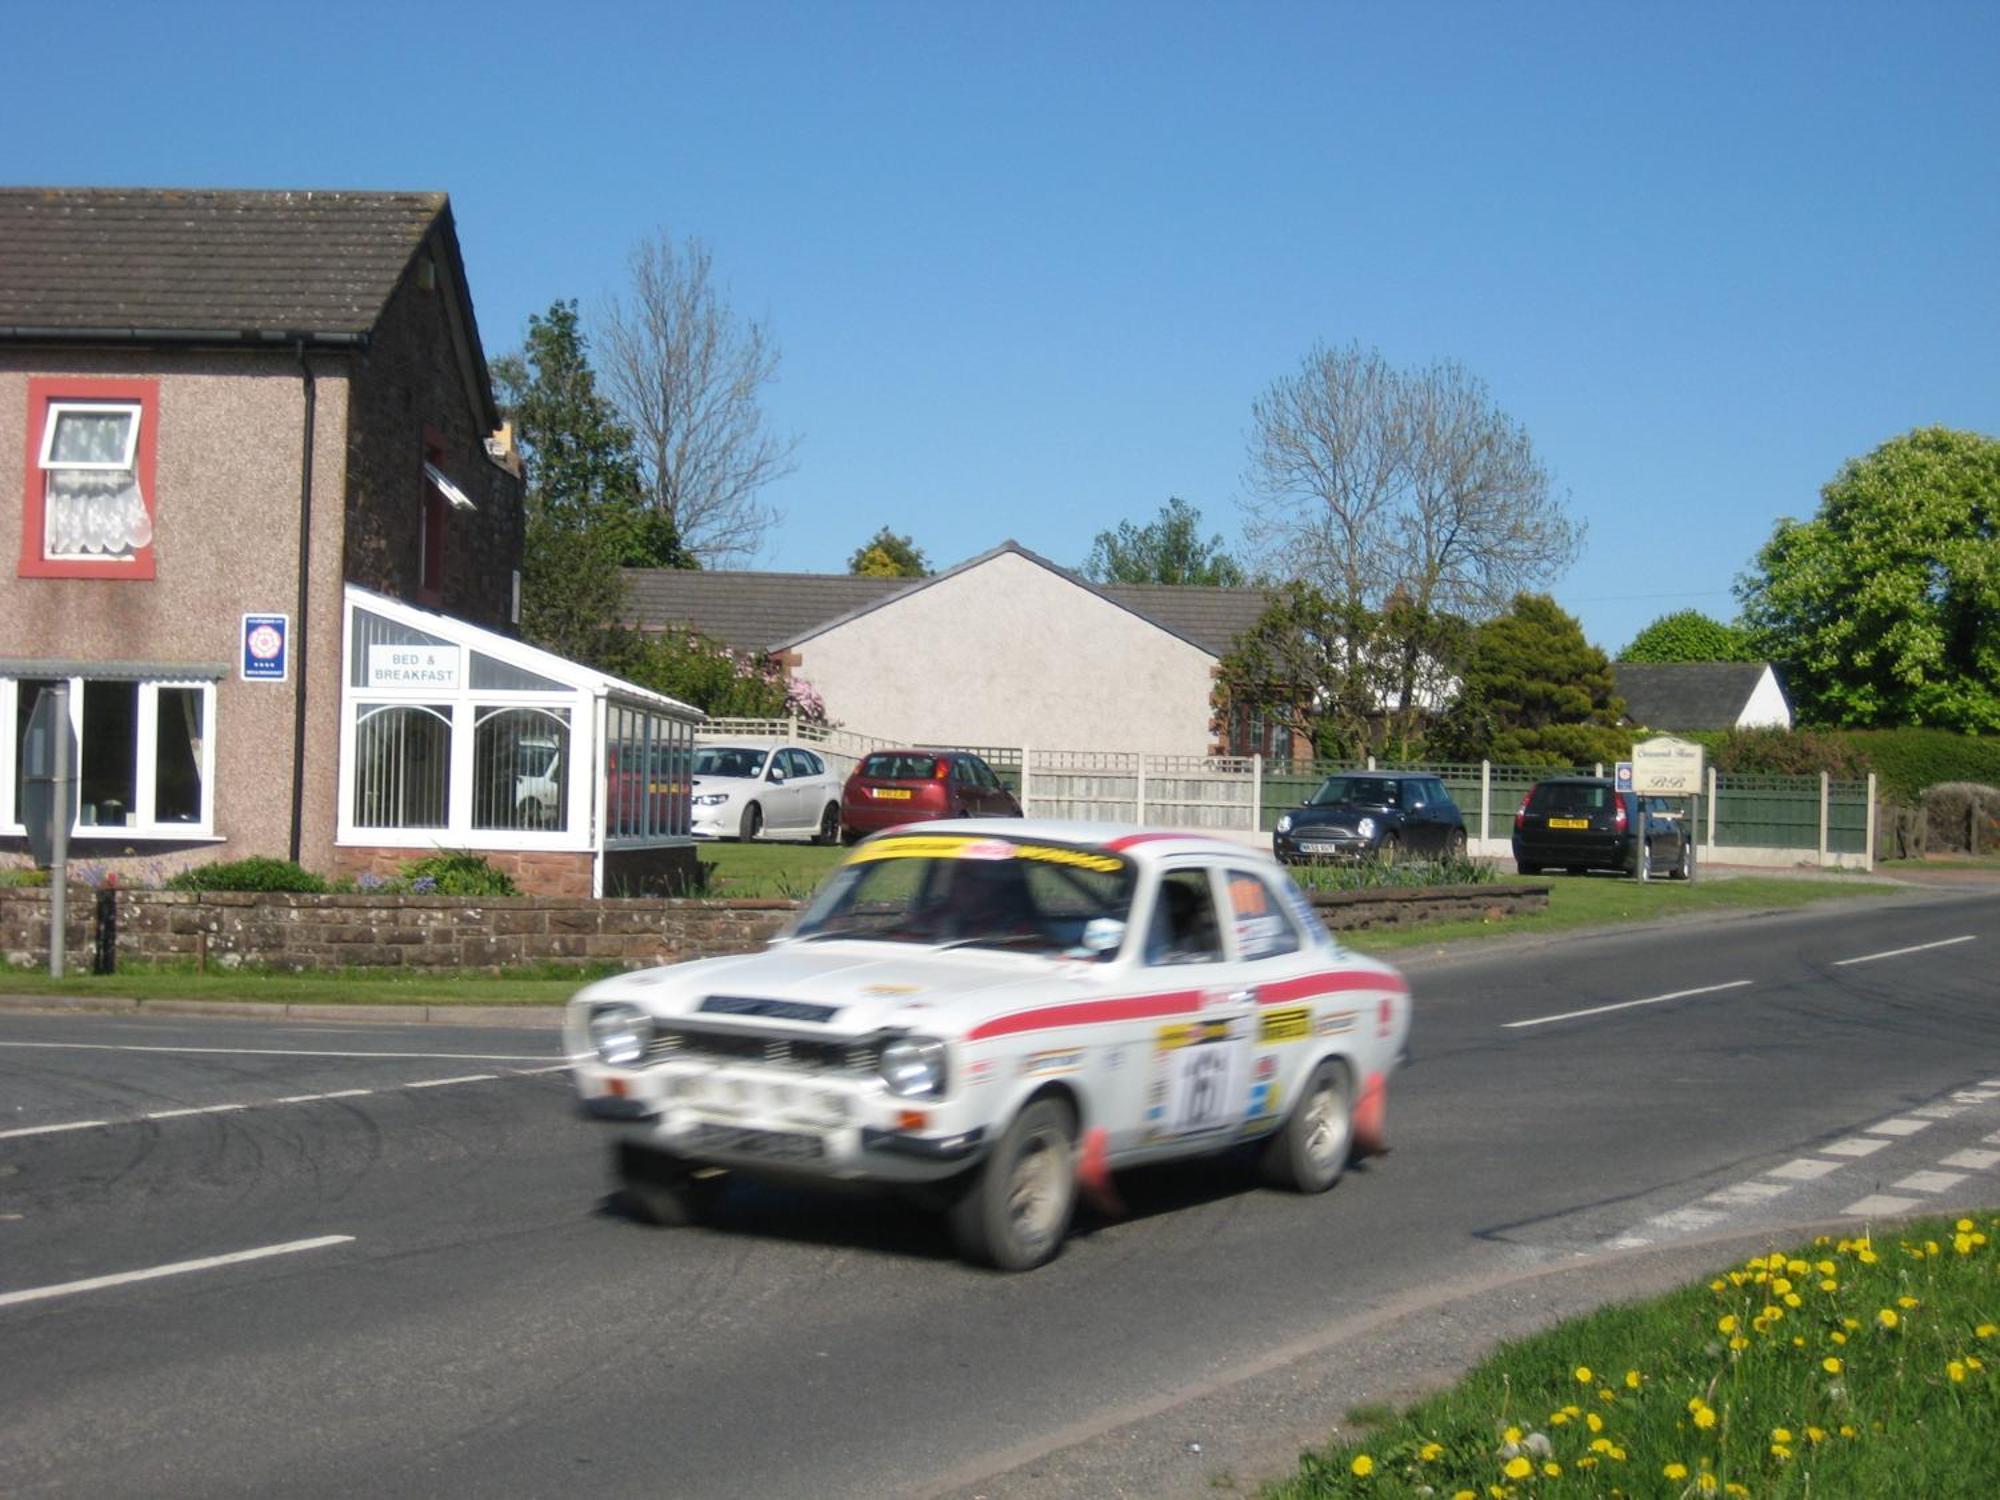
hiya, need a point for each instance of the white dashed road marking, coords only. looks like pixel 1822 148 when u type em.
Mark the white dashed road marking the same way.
pixel 1929 1182
pixel 1899 1127
pixel 178 1268
pixel 1972 1161
pixel 1805 1169
pixel 1856 1145
pixel 1740 1193
pixel 438 1083
pixel 8 1135
pixel 205 1109
pixel 1880 1204
pixel 1598 1010
pixel 1869 958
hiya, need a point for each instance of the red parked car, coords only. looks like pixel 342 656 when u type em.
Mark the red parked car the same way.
pixel 892 787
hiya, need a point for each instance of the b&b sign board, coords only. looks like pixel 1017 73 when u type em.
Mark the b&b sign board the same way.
pixel 1666 767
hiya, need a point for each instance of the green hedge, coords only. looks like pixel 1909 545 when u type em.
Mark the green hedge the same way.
pixel 1905 761
pixel 254 874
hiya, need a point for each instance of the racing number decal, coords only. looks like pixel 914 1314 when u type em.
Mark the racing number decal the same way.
pixel 1202 1077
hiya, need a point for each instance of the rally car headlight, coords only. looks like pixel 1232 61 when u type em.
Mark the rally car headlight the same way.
pixel 711 799
pixel 1285 823
pixel 621 1034
pixel 914 1067
pixel 1365 828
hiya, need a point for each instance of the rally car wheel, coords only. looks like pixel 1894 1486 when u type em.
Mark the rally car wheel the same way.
pixel 1311 1152
pixel 658 1190
pixel 1016 1209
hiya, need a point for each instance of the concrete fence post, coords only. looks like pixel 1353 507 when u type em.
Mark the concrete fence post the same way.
pixel 1141 759
pixel 1868 848
pixel 1257 791
pixel 1485 800
pixel 1711 811
pixel 1026 811
pixel 1823 779
pixel 1371 762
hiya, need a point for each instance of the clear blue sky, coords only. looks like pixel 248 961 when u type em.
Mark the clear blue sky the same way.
pixel 1029 264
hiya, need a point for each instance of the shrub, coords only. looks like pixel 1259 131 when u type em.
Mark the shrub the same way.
pixel 1790 752
pixel 456 872
pixel 1909 760
pixel 254 874
pixel 1372 874
pixel 18 878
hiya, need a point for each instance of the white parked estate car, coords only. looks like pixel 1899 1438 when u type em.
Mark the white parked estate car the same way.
pixel 764 791
pixel 993 1013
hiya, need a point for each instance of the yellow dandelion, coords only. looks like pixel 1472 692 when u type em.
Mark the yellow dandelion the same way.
pixel 1780 1451
pixel 1907 1302
pixel 1780 1285
pixel 1362 1466
pixel 1781 1434
pixel 1831 1364
pixel 1705 1418
pixel 1815 1434
pixel 1430 1453
pixel 1887 1317
pixel 1931 1247
pixel 1962 1243
pixel 1717 1285
pixel 1956 1370
pixel 1733 1488
pixel 1825 1268
pixel 1797 1267
pixel 1558 1419
pixel 1583 1376
pixel 1973 1364
pixel 1739 1343
pixel 1987 1330
pixel 1847 1431
pixel 1838 1337
pixel 1675 1471
pixel 1594 1422
pixel 1726 1323
pixel 1464 1495
pixel 1964 1226
pixel 1829 1285
pixel 1607 1394
pixel 1632 1379
pixel 1695 1403
pixel 1588 1461
pixel 1511 1435
pixel 1706 1483
pixel 1518 1468
pixel 1552 1469
pixel 1793 1299
pixel 1868 1257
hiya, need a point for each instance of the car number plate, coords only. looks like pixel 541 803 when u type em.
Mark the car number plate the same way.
pixel 1569 822
pixel 778 1145
pixel 1320 847
pixel 891 793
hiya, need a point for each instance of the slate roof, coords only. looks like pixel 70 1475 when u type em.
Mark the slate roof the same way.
pixel 128 263
pixel 1686 695
pixel 773 611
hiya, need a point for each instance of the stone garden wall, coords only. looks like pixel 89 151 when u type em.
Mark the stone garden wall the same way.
pixel 229 929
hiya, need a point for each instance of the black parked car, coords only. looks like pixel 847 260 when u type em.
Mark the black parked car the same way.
pixel 1383 814
pixel 1585 823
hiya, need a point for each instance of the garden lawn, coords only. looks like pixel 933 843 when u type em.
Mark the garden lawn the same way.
pixel 1577 901
pixel 1849 1368
pixel 789 872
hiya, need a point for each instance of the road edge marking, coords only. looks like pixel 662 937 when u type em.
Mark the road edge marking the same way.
pixel 1869 958
pixel 176 1268
pixel 1598 1010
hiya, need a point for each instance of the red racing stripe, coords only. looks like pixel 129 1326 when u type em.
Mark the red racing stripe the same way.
pixel 1089 1012
pixel 1305 987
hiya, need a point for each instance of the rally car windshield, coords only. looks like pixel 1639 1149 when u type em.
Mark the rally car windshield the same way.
pixel 973 892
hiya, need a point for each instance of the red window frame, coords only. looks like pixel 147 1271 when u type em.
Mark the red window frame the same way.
pixel 432 526
pixel 44 391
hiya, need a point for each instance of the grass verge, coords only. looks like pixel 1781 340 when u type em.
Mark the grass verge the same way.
pixel 788 872
pixel 1850 1367
pixel 538 985
pixel 1580 901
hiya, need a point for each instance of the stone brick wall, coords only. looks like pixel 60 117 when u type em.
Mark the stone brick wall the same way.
pixel 280 931
pixel 230 928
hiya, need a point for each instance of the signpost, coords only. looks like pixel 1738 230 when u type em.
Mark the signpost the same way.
pixel 48 804
pixel 1667 767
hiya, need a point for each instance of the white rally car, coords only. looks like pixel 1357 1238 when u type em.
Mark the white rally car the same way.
pixel 994 1013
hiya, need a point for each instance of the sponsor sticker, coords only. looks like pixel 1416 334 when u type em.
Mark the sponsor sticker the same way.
pixel 1192 1034
pixel 1334 1025
pixel 1048 1064
pixel 1293 1025
pixel 945 846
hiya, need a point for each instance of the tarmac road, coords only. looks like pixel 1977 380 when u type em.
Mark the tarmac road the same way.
pixel 443 1301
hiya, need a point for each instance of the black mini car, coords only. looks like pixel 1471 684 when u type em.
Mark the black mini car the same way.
pixel 1379 814
pixel 1583 823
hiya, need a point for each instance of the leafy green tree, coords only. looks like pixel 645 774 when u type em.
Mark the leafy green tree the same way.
pixel 1168 549
pixel 721 682
pixel 1536 693
pixel 887 555
pixel 586 516
pixel 1690 635
pixel 1886 605
pixel 1305 667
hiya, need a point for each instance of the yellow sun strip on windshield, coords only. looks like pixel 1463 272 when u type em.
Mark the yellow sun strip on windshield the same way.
pixel 946 846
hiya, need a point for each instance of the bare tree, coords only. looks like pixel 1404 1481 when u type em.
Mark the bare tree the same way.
pixel 685 374
pixel 1406 487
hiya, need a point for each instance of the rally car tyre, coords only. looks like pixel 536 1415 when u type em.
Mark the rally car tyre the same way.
pixel 1310 1152
pixel 1016 1208
pixel 658 1190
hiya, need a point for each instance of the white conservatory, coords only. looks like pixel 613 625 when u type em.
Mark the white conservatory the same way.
pixel 454 737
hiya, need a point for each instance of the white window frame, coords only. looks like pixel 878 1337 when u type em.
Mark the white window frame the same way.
pixel 56 412
pixel 145 729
